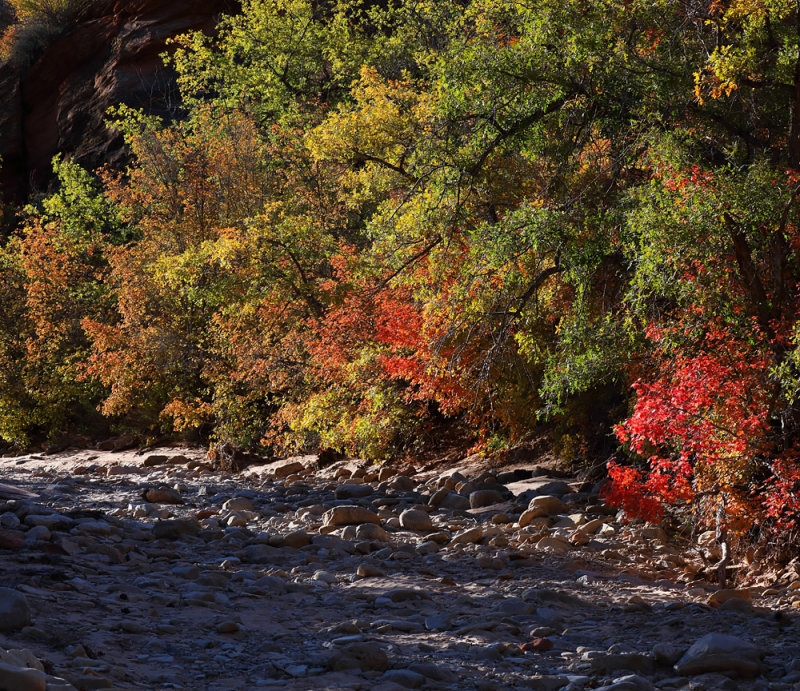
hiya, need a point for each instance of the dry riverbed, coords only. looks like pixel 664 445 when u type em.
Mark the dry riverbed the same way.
pixel 148 570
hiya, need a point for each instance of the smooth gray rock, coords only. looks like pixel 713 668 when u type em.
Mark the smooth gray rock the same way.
pixel 719 652
pixel 352 491
pixel 437 622
pixel 484 497
pixel 51 521
pixel 261 554
pixel 455 502
pixel 667 653
pixel 14 610
pixel 361 655
pixel 557 488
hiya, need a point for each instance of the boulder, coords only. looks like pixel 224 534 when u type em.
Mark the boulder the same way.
pixel 551 505
pixel 363 656
pixel 14 610
pixel 720 652
pixel 415 519
pixel 484 497
pixel 349 515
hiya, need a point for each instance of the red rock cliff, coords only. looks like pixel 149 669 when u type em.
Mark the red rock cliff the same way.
pixel 110 56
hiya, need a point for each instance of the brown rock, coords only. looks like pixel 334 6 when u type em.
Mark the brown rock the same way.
pixel 154 460
pixel 12 539
pixel 551 506
pixel 349 515
pixel 721 596
pixel 385 473
pixel 468 536
pixel 297 539
pixel 228 626
pixel 124 441
pixel 538 645
pixel 14 678
pixel 402 483
pixel 163 495
pixel 367 571
pixel 553 544
pixel 371 531
pixel 238 504
pixel 415 519
pixel 527 516
pixel 287 469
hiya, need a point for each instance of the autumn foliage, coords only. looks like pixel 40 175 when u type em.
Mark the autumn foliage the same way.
pixel 372 220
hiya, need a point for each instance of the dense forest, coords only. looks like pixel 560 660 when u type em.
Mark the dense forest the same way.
pixel 368 219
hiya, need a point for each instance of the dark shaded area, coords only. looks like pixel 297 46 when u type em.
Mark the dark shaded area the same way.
pixel 111 56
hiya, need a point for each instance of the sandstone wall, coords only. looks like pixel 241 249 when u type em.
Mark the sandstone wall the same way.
pixel 110 56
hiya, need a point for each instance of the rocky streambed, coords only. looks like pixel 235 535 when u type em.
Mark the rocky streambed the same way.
pixel 152 571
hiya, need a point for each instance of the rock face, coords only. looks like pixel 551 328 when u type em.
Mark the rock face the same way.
pixel 110 56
